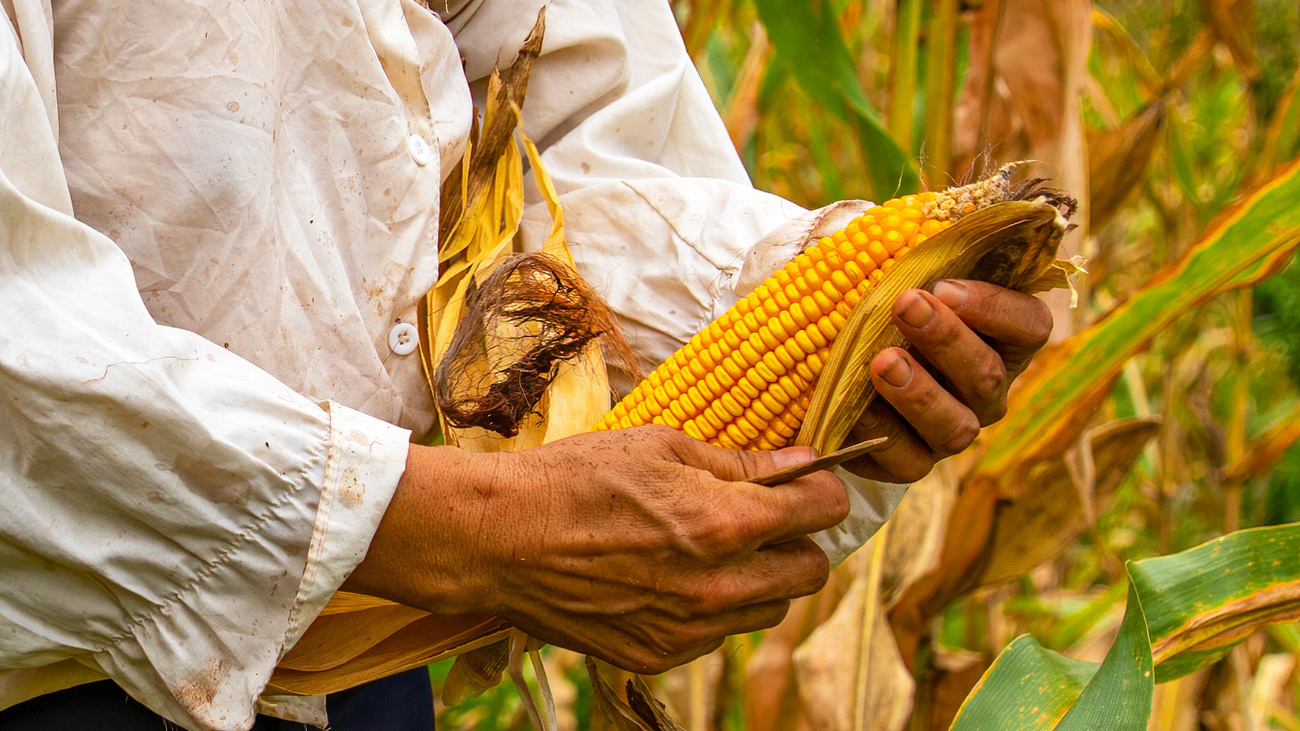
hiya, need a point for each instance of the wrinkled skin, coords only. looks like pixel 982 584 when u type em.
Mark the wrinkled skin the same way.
pixel 638 546
pixel 645 547
pixel 974 338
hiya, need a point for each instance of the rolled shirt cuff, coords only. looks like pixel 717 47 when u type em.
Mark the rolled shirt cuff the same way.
pixel 870 505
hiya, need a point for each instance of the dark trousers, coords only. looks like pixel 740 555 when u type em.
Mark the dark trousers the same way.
pixel 402 702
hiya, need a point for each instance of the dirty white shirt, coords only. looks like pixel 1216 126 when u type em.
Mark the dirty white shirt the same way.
pixel 216 220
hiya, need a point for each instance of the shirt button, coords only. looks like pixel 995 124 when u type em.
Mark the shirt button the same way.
pixel 420 151
pixel 403 338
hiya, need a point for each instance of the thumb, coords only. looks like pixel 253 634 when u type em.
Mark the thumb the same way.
pixel 736 465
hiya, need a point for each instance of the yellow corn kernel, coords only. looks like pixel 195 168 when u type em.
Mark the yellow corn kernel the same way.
pixel 747 430
pixel 745 381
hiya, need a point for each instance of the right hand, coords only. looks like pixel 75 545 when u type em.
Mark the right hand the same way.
pixel 642 546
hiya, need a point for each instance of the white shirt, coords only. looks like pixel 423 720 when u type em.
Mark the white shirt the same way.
pixel 213 214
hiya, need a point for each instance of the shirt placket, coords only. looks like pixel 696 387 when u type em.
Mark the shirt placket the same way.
pixel 399 56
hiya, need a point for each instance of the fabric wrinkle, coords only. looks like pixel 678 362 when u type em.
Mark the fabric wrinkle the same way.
pixel 201 421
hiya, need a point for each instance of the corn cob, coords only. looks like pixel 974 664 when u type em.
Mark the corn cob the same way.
pixel 745 381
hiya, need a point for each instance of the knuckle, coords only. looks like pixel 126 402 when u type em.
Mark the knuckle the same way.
pixel 776 614
pixel 660 434
pixel 878 421
pixel 710 647
pixel 1038 326
pixel 658 667
pixel 817 572
pixel 993 412
pixel 632 659
pixel 652 664
pixel 751 464
pixel 655 654
pixel 964 431
pixel 838 494
pixel 693 636
pixel 723 535
pixel 946 329
pixel 710 603
pixel 990 383
pixel 911 470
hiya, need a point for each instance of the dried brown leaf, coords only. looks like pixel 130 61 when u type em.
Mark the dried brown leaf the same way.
pixel 635 709
pixel 953 673
pixel 472 179
pixel 771 687
pixel 1265 450
pixel 1050 511
pixel 476 671
pixel 334 639
pixel 828 668
pixel 419 643
pixel 1021 100
pixel 1118 160
pixel 1017 97
pixel 1232 22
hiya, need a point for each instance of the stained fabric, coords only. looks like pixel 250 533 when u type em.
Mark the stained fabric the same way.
pixel 213 216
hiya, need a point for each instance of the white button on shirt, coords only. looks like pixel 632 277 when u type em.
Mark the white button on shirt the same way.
pixel 421 153
pixel 247 229
pixel 403 338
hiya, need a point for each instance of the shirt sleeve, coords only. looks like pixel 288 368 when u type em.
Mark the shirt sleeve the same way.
pixel 659 210
pixel 658 207
pixel 174 516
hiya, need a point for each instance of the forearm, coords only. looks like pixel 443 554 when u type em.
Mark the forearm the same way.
pixel 425 552
pixel 640 546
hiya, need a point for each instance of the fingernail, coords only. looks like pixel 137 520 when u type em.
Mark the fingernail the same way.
pixel 950 293
pixel 898 373
pixel 792 456
pixel 918 312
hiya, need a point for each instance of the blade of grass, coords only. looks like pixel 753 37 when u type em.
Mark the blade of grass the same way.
pixel 902 95
pixel 804 32
pixel 940 82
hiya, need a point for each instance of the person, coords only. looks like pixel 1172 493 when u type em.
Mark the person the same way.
pixel 216 221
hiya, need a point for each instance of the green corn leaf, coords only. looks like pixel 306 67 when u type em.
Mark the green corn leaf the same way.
pixel 1244 245
pixel 1185 612
pixel 1027 687
pixel 810 45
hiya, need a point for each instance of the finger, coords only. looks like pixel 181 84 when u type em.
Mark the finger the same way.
pixel 663 647
pixel 646 661
pixel 903 459
pixel 750 515
pixel 777 572
pixel 1018 323
pixel 971 366
pixel 736 465
pixel 744 517
pixel 937 417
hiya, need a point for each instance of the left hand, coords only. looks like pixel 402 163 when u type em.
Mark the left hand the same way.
pixel 973 339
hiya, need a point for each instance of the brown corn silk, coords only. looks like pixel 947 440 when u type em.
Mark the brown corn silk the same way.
pixel 998 230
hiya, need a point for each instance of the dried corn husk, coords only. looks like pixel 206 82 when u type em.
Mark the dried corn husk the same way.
pixel 1009 243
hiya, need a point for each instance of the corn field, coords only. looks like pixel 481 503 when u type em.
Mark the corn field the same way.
pixel 1120 552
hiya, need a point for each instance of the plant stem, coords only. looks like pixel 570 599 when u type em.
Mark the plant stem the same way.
pixel 907 35
pixel 872 602
pixel 1240 405
pixel 939 92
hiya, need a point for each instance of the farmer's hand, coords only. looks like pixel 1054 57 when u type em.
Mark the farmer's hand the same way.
pixel 974 338
pixel 639 546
